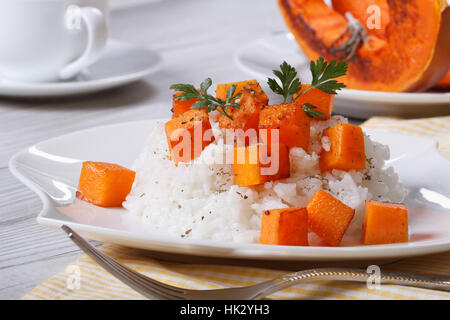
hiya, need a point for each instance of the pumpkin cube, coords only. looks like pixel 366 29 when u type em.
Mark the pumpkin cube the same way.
pixel 274 161
pixel 347 151
pixel 291 122
pixel 287 227
pixel 322 100
pixel 328 217
pixel 188 134
pixel 181 106
pixel 105 184
pixel 246 168
pixel 251 101
pixel 385 223
pixel 251 87
pixel 245 118
pixel 258 164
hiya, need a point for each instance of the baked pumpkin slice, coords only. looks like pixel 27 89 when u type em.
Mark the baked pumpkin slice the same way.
pixel 252 99
pixel 409 52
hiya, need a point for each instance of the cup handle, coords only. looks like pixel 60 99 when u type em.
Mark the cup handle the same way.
pixel 97 34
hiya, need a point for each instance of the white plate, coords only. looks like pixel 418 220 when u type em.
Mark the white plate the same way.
pixel 260 57
pixel 51 169
pixel 121 63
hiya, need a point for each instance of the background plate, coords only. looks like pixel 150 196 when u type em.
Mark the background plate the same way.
pixel 51 169
pixel 260 57
pixel 120 64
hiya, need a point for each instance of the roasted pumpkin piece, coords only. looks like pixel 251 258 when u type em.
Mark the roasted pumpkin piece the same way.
pixel 291 122
pixel 409 51
pixel 246 166
pixel 251 87
pixel 347 151
pixel 180 106
pixel 251 101
pixel 245 118
pixel 274 161
pixel 288 227
pixel 328 217
pixel 188 134
pixel 256 164
pixel 105 184
pixel 322 100
pixel 385 223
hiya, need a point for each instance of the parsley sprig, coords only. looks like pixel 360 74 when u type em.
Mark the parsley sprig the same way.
pixel 311 112
pixel 205 100
pixel 289 83
pixel 323 75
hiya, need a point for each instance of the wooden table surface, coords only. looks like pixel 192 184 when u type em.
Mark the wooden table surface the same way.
pixel 196 38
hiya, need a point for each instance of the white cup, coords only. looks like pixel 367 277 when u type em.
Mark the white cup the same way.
pixel 50 40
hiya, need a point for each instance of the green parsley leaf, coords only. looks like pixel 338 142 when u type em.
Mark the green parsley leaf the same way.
pixel 290 84
pixel 200 105
pixel 311 112
pixel 322 75
pixel 204 86
pixel 188 91
pixel 205 100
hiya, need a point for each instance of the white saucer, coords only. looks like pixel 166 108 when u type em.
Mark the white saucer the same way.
pixel 260 57
pixel 121 63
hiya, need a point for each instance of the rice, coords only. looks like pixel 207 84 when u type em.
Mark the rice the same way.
pixel 198 199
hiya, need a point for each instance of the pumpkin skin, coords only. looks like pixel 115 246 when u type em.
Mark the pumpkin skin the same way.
pixel 411 51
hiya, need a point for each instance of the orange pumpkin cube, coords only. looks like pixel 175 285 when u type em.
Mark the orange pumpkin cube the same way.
pixel 290 120
pixel 258 164
pixel 181 106
pixel 251 87
pixel 251 101
pixel 328 217
pixel 385 223
pixel 105 184
pixel 274 161
pixel 288 227
pixel 245 118
pixel 322 100
pixel 188 134
pixel 347 151
pixel 246 167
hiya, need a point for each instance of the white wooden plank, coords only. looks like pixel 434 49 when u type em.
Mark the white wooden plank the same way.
pixel 17 280
pixel 24 244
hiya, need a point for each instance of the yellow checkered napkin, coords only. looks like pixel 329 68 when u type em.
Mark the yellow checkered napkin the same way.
pixel 84 279
pixel 436 128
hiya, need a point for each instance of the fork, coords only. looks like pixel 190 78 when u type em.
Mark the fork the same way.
pixel 153 289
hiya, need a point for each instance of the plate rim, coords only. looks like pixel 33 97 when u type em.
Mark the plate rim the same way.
pixel 211 248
